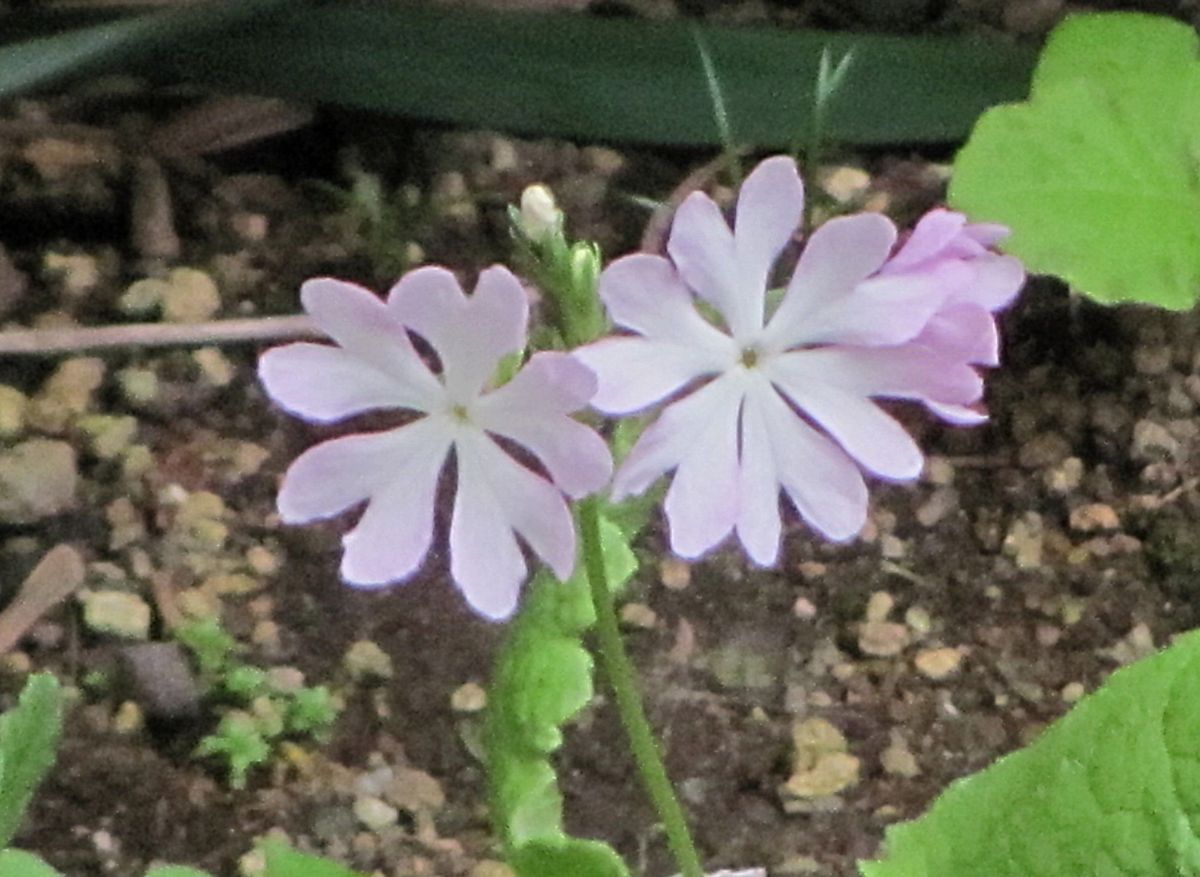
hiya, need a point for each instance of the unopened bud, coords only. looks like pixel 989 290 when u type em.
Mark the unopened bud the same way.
pixel 540 216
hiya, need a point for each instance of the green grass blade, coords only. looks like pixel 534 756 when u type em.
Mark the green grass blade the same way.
pixel 579 76
pixel 29 735
pixel 36 62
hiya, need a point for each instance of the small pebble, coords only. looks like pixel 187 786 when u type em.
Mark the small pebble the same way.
pixel 375 813
pixel 821 763
pixel 12 411
pixel 470 697
pixel 937 664
pixel 882 639
pixel 1153 442
pixel 1072 692
pixel 804 609
pixel 116 613
pixel 1025 540
pixel 38 479
pixel 128 718
pixel 1094 516
pixel 675 574
pixel 898 760
pixel 638 616
pixel 365 661
pixel 879 606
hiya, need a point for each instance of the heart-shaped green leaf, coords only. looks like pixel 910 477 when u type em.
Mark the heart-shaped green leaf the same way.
pixel 1098 173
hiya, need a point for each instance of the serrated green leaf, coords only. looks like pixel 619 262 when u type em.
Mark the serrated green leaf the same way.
pixel 1110 790
pixel 283 861
pixel 1098 173
pixel 542 679
pixel 175 871
pixel 18 863
pixel 29 735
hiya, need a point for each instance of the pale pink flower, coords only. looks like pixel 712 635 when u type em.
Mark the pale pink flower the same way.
pixel 783 401
pixel 395 472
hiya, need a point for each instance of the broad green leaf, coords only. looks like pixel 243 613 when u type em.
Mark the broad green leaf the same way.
pixel 1097 173
pixel 542 679
pixel 37 62
pixel 175 871
pixel 29 735
pixel 594 78
pixel 1110 790
pixel 283 861
pixel 18 863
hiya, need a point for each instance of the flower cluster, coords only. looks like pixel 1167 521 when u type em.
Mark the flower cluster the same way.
pixel 762 401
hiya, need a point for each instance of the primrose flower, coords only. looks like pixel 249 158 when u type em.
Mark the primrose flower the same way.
pixel 783 400
pixel 396 471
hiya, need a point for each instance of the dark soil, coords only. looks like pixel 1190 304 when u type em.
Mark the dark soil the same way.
pixel 1046 548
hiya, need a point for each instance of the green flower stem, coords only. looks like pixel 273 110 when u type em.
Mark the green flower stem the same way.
pixel 622 678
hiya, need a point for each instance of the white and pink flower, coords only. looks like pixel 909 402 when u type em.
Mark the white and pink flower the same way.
pixel 783 401
pixel 395 472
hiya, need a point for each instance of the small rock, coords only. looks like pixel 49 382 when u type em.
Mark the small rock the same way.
pixel 1094 516
pixel 939 471
pixel 116 613
pixel 66 394
pixel 263 561
pixel 374 813
pixel 128 718
pixel 365 661
pixel 804 609
pixel 1153 442
pixel 12 411
pixel 470 697
pixel 414 791
pixel 821 763
pixel 937 664
pixel 1044 450
pixel 185 295
pixel 161 680
pixel 231 584
pixel 844 184
pixel 1137 644
pixel 139 386
pixel 76 274
pixel 941 502
pixel 1072 692
pixel 125 522
pixel 1065 477
pixel 109 435
pixel 638 616
pixel 918 620
pixel 38 478
pixel 675 574
pixel 879 606
pixel 882 639
pixel 898 760
pixel 215 368
pixel 1024 541
pixel 1152 360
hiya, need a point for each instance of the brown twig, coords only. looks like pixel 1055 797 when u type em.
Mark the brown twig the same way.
pixel 47 342
pixel 58 574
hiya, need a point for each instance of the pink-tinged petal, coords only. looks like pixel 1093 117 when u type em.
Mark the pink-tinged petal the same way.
pixel 485 560
pixel 358 321
pixel 876 440
pixel 702 502
pixel 634 373
pixel 701 246
pixel 823 483
pixel 964 332
pixel 469 335
pixel 996 283
pixel 931 237
pixel 531 410
pixel 987 234
pixel 885 310
pixel 758 522
pixel 769 207
pixel 329 478
pixel 324 383
pixel 497 493
pixel 550 383
pixel 840 255
pixel 644 293
pixel 959 415
pixel 392 537
pixel 905 372
pixel 672 437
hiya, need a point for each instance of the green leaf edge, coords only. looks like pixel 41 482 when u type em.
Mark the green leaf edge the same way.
pixel 542 679
pixel 1158 696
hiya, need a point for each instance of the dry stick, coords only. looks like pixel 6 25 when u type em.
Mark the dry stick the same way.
pixel 58 574
pixel 46 342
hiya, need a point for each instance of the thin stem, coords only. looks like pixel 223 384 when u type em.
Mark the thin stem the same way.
pixel 622 678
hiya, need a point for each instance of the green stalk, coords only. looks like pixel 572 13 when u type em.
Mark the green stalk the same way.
pixel 622 678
